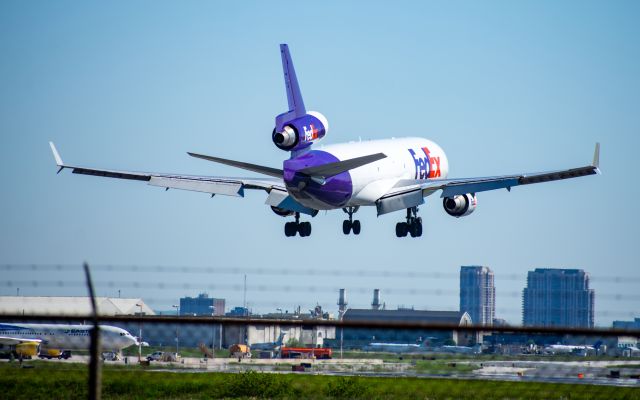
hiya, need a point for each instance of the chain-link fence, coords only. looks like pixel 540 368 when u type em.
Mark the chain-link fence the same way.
pixel 280 321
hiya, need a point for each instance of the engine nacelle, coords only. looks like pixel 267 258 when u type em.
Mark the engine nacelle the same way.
pixel 301 132
pixel 460 205
pixel 281 211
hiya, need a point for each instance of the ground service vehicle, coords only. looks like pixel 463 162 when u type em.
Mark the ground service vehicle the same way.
pixel 304 352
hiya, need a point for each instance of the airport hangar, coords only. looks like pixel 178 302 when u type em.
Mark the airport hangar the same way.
pixel 359 337
pixel 164 334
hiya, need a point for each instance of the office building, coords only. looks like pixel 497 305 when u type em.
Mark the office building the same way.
pixel 478 294
pixel 201 305
pixel 558 297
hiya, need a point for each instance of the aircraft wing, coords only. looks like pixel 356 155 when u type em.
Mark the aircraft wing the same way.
pixel 206 184
pixel 6 340
pixel 408 193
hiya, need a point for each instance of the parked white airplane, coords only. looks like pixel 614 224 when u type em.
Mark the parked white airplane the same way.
pixel 395 347
pixel 34 337
pixel 566 348
pixel 391 175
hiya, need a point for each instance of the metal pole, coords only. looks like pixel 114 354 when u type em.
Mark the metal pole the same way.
pixel 177 333
pixel 213 328
pixel 220 337
pixel 94 364
pixel 140 334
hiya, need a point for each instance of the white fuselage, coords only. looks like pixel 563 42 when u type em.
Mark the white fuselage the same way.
pixel 69 337
pixel 372 181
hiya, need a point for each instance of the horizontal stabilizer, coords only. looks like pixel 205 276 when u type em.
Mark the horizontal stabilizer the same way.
pixel 277 173
pixel 338 167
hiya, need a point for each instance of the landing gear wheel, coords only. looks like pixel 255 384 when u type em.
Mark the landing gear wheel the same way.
pixel 304 228
pixel 402 229
pixel 290 229
pixel 349 224
pixel 413 229
pixel 418 227
pixel 356 227
pixel 346 226
pixel 413 225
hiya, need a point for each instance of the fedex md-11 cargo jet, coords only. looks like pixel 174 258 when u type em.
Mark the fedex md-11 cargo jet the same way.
pixel 390 175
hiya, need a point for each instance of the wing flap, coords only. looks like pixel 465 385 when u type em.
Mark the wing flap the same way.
pixel 111 174
pixel 205 186
pixel 558 175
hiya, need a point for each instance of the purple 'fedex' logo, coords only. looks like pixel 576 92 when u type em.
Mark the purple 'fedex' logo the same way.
pixel 426 167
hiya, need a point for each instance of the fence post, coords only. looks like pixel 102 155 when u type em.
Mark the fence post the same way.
pixel 94 363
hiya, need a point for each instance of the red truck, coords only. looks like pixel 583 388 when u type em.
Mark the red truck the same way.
pixel 304 352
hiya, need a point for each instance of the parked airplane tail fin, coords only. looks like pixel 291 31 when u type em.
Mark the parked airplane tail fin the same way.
pixel 280 339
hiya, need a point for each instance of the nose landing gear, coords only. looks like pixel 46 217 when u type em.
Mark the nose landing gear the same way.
pixel 303 228
pixel 413 226
pixel 349 225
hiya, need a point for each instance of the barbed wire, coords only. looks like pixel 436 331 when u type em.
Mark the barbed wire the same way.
pixel 331 272
pixel 258 287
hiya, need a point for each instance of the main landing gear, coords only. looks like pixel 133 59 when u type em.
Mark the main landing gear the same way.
pixel 303 228
pixel 349 225
pixel 413 225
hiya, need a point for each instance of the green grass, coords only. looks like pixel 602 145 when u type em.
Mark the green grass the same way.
pixel 442 367
pixel 69 381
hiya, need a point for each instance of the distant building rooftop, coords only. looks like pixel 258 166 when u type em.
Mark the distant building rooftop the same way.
pixel 27 305
pixel 404 315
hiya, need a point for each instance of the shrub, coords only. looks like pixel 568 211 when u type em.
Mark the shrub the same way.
pixel 346 388
pixel 257 384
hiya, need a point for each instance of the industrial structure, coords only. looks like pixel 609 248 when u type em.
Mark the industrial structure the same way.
pixel 478 294
pixel 558 297
pixel 375 304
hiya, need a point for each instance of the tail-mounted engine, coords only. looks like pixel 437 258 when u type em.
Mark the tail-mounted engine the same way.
pixel 299 133
pixel 460 205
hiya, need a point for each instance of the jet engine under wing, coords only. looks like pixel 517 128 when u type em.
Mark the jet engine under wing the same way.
pixel 206 184
pixel 408 189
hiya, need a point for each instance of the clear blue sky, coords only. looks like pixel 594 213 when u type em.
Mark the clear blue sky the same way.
pixel 502 86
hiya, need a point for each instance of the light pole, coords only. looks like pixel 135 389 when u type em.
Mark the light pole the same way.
pixel 213 313
pixel 177 337
pixel 140 334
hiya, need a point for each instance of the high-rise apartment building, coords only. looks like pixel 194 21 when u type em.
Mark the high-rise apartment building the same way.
pixel 558 297
pixel 478 294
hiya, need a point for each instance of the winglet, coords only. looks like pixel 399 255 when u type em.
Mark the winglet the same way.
pixel 57 157
pixel 596 156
